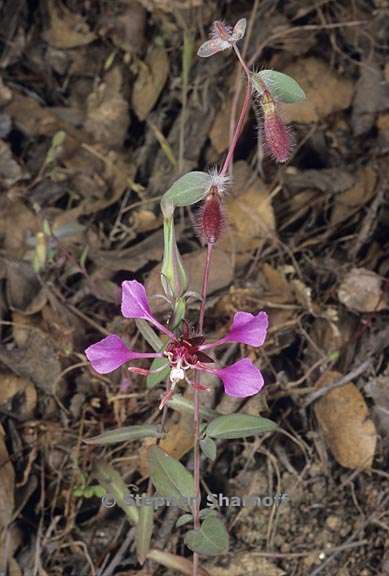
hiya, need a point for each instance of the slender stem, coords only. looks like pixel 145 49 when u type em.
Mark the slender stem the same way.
pixel 197 489
pixel 197 415
pixel 204 287
pixel 242 116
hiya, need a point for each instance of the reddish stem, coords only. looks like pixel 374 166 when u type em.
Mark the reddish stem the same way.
pixel 243 113
pixel 204 287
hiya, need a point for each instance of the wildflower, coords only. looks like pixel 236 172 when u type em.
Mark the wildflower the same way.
pixel 184 352
pixel 222 37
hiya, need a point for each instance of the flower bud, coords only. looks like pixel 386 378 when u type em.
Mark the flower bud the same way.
pixel 173 276
pixel 276 133
pixel 211 216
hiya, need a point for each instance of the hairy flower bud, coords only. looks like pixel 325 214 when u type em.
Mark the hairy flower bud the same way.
pixel 276 133
pixel 211 216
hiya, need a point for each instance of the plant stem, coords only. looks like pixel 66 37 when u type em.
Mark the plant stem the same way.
pixel 204 287
pixel 242 116
pixel 196 415
pixel 196 464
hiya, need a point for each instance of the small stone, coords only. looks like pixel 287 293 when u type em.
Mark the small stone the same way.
pixel 333 523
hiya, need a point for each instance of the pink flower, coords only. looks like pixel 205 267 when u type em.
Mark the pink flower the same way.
pixel 222 37
pixel 183 352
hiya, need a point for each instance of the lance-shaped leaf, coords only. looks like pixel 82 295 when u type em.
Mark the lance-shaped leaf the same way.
pixel 159 370
pixel 208 447
pixel 185 406
pixel 125 434
pixel 149 334
pixel 144 531
pixel 170 478
pixel 187 190
pixel 173 276
pixel 281 86
pixel 115 486
pixel 239 426
pixel 210 539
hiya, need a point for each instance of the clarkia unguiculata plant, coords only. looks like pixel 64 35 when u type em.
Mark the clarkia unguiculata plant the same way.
pixel 183 353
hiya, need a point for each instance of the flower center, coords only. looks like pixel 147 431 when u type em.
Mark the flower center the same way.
pixel 182 354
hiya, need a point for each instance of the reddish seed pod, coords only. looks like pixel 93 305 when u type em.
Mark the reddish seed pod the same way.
pixel 276 133
pixel 211 216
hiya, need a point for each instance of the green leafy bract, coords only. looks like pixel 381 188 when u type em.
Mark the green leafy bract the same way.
pixel 281 86
pixel 187 190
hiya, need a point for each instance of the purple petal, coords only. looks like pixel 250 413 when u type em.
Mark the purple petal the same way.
pixel 134 300
pixel 246 329
pixel 111 352
pixel 136 305
pixel 241 379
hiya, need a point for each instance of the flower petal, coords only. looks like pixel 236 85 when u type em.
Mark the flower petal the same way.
pixel 211 47
pixel 135 304
pixel 246 329
pixel 239 30
pixel 241 379
pixel 111 352
pixel 134 300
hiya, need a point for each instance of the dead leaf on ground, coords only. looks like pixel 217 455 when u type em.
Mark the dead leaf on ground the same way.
pixel 10 171
pixel 367 99
pixel 18 224
pixel 25 292
pixel 245 564
pixel 151 79
pixel 17 395
pixel 351 200
pixel 343 417
pixel 170 5
pixel 361 290
pixel 7 483
pixel 326 91
pixel 250 220
pixel 37 361
pixel 126 26
pixel 177 442
pixel 66 29
pixel 378 389
pixel 220 129
pixel 107 111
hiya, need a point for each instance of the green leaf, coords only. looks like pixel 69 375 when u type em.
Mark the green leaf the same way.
pixel 171 478
pixel 239 426
pixel 124 434
pixel 211 539
pixel 184 519
pixel 144 531
pixel 184 406
pixel 281 86
pixel 208 446
pixel 114 485
pixel 187 190
pixel 149 334
pixel 157 377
